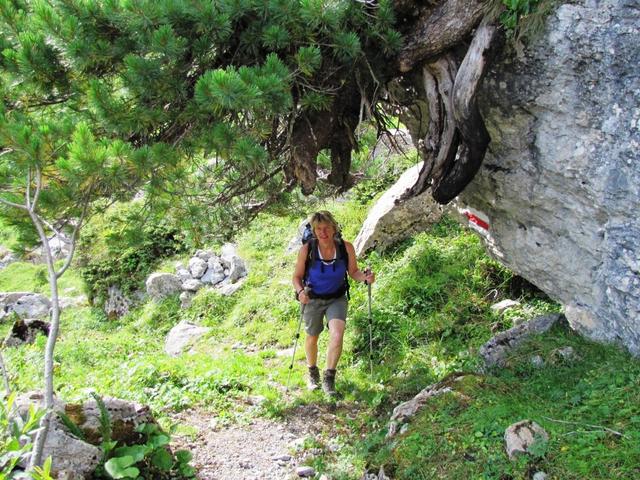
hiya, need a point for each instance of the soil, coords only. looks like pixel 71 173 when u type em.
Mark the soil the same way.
pixel 259 447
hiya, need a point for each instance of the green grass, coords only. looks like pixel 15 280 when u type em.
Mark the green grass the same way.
pixel 29 277
pixel 430 314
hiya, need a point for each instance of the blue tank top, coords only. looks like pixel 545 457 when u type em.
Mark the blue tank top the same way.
pixel 326 276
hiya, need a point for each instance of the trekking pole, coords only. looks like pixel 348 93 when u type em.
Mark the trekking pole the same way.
pixel 368 270
pixel 295 344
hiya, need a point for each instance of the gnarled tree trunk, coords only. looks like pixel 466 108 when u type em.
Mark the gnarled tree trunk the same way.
pixel 450 133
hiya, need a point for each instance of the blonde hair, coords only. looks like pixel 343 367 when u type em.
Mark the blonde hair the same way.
pixel 323 216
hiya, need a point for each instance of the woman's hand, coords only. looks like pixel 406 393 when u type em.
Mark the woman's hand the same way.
pixel 369 276
pixel 303 297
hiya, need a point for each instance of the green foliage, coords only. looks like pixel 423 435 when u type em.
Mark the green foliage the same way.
pixel 430 314
pixel 15 440
pixel 522 19
pixel 135 91
pixel 149 458
pixel 122 248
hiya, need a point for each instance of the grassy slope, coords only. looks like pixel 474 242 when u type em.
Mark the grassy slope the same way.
pixel 430 314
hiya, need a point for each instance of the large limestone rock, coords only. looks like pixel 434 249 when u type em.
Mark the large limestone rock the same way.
pixel 71 458
pixel 76 459
pixel 389 222
pixel 560 185
pixel 161 285
pixel 24 305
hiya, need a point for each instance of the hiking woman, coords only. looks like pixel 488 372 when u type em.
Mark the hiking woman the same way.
pixel 321 286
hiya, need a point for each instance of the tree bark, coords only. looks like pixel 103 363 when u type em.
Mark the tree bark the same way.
pixel 438 30
pixel 474 135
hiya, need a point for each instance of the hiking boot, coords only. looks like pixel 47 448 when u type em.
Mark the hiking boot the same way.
pixel 329 383
pixel 314 378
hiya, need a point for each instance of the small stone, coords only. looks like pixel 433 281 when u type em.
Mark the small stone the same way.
pixel 564 354
pixel 518 321
pixel 540 476
pixel 504 305
pixel 521 435
pixel 537 361
pixel 192 285
pixel 282 458
pixel 185 299
pixel 305 471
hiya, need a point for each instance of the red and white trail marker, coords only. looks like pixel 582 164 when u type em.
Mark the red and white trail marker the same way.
pixel 477 220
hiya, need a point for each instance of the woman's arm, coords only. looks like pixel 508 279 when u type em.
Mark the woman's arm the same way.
pixel 354 271
pixel 298 274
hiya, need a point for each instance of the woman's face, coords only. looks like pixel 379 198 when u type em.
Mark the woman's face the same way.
pixel 324 231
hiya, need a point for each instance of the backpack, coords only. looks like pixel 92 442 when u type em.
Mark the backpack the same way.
pixel 341 253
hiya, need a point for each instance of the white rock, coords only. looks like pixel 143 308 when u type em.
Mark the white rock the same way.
pixel 24 304
pixel 183 273
pixel 186 298
pixel 521 435
pixel 197 267
pixel 504 305
pixel 192 285
pixel 161 285
pixel 215 265
pixel 204 254
pixel 388 222
pixel 182 336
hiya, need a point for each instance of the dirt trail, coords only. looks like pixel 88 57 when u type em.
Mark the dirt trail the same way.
pixel 260 448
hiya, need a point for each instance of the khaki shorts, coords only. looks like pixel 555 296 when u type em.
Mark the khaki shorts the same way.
pixel 317 309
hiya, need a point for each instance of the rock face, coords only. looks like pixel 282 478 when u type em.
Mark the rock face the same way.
pixel 117 304
pixel 560 186
pixel 388 223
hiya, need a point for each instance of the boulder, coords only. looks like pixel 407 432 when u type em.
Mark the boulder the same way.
pixel 495 351
pixel 161 285
pixel 231 260
pixel 183 272
pixel 197 267
pixel 73 458
pixel 192 285
pixel 520 436
pixel 125 416
pixel 214 265
pixel 204 254
pixel 391 220
pixel 117 304
pixel 25 331
pixel 182 336
pixel 24 305
pixel 559 183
